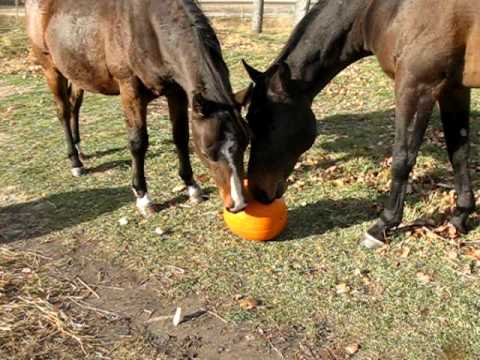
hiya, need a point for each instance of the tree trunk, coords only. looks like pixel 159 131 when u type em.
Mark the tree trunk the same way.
pixel 257 23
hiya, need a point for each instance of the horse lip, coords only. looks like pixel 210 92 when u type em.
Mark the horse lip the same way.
pixel 237 208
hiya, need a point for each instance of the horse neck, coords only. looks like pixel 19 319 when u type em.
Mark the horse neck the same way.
pixel 326 41
pixel 203 71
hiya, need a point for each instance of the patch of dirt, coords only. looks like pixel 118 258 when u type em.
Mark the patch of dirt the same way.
pixel 120 306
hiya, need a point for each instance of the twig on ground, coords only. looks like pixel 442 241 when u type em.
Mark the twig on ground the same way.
pixel 88 287
pixel 217 316
pixel 97 310
pixel 275 349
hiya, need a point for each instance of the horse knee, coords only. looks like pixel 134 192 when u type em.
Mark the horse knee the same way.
pixel 466 202
pixel 400 167
pixel 138 141
pixel 63 112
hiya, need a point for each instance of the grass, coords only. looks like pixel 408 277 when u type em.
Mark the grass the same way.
pixel 418 298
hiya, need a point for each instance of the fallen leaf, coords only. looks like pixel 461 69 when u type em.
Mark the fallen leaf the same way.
pixel 352 348
pixel 405 252
pixel 342 289
pixel 425 278
pixel 248 303
pixel 475 253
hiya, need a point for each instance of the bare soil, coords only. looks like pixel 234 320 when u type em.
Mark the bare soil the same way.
pixel 127 305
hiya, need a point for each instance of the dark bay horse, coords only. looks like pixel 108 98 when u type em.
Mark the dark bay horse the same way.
pixel 431 48
pixel 140 50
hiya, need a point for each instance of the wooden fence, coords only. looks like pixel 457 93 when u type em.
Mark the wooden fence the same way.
pixel 254 9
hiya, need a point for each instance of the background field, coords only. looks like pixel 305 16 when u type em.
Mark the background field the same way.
pixel 75 283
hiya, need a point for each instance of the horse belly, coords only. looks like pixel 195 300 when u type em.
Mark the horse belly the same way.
pixel 77 48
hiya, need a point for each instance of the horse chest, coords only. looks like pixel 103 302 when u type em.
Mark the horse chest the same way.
pixel 471 71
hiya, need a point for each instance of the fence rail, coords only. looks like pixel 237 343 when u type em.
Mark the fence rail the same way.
pixel 255 9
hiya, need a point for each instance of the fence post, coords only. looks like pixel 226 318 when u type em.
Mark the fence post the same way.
pixel 257 20
pixel 301 10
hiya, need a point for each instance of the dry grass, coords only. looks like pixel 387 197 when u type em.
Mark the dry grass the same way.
pixel 415 299
pixel 38 316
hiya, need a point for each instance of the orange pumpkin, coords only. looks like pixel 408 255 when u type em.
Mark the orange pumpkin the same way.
pixel 258 222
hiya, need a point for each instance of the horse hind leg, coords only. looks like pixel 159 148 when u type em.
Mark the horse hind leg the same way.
pixel 76 100
pixel 58 84
pixel 178 108
pixel 455 112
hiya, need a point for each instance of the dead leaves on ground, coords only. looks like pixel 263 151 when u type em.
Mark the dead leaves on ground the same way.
pixel 248 303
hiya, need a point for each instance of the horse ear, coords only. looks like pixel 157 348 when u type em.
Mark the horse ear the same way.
pixel 202 105
pixel 243 97
pixel 281 78
pixel 254 74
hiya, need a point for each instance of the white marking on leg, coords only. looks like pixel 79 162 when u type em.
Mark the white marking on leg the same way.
pixel 144 204
pixel 79 148
pixel 78 171
pixel 464 132
pixel 370 242
pixel 195 193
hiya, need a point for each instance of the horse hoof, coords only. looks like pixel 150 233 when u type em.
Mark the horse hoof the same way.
pixel 78 171
pixel 195 194
pixel 370 242
pixel 145 206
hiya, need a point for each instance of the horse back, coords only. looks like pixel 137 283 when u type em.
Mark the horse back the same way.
pixel 430 37
pixel 75 38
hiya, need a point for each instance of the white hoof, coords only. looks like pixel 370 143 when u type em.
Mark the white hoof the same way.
pixel 77 172
pixel 195 194
pixel 145 205
pixel 370 242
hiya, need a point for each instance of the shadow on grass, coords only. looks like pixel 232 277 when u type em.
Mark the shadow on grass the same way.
pixel 102 153
pixel 326 215
pixel 371 135
pixel 59 211
pixel 123 164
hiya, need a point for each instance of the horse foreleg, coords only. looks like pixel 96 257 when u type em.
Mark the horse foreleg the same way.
pixel 414 108
pixel 455 111
pixel 178 108
pixel 76 100
pixel 135 109
pixel 59 86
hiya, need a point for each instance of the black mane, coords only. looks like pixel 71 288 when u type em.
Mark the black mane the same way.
pixel 211 56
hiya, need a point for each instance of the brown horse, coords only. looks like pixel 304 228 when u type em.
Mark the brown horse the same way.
pixel 141 50
pixel 431 48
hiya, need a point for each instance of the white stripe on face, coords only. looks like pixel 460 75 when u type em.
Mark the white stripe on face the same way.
pixel 236 192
